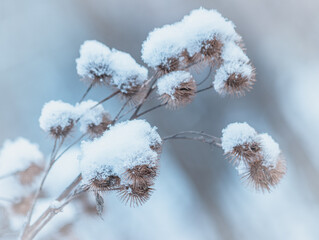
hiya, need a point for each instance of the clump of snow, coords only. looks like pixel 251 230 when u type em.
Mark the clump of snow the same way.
pixel 125 72
pixel 232 52
pixel 237 134
pixel 124 146
pixel 98 61
pixel 94 60
pixel 162 44
pixel 168 83
pixel 56 113
pixel 269 149
pixel 89 115
pixel 63 173
pixel 18 155
pixel 199 26
pixel 202 25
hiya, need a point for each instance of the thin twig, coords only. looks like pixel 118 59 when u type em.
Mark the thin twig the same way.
pixel 204 89
pixel 50 212
pixel 86 93
pixel 204 80
pixel 107 98
pixel 151 109
pixel 121 110
pixel 68 147
pixel 9 174
pixel 196 136
pixel 138 107
pixel 35 198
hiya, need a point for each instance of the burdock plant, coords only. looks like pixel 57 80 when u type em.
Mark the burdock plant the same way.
pixel 122 153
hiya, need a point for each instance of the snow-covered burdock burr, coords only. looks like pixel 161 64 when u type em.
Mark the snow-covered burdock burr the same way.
pixel 58 118
pixel 125 159
pixel 258 157
pixel 176 88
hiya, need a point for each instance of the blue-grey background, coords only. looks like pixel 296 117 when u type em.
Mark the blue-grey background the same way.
pixel 199 195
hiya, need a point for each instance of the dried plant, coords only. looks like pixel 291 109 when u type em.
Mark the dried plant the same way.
pixel 125 156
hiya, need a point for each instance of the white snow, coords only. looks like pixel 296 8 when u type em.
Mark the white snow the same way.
pixel 242 168
pixel 269 149
pixel 237 134
pixel 87 115
pixel 125 72
pixel 232 52
pixel 125 145
pixel 63 173
pixel 18 155
pixel 168 83
pixel 93 60
pixel 97 60
pixel 56 113
pixel 199 26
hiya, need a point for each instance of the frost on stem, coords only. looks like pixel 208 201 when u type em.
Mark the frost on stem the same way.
pixel 176 88
pixel 57 118
pixel 203 36
pixel 125 157
pixel 115 68
pixel 258 157
pixel 94 121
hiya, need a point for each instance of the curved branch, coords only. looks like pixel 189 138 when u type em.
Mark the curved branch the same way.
pixel 196 136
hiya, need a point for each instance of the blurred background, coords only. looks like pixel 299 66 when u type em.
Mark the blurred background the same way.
pixel 198 193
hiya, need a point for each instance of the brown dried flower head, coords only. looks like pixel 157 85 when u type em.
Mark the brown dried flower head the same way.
pixel 141 174
pixel 108 183
pixel 97 130
pixel 61 132
pixel 135 195
pixel 237 84
pixel 263 177
pixel 246 152
pixel 29 175
pixel 172 64
pixel 22 206
pixel 176 89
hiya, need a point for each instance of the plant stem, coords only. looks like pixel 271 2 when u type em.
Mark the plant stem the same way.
pixel 86 93
pixel 196 136
pixel 151 109
pixel 50 212
pixel 107 98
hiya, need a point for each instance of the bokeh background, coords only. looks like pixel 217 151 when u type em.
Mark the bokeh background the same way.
pixel 198 193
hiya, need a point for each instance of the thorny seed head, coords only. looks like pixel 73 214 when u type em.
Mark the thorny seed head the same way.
pixel 263 177
pixel 171 65
pixel 135 195
pixel 28 176
pixel 182 94
pixel 211 51
pixel 246 152
pixel 97 130
pixel 141 174
pixel 105 184
pixel 238 84
pixel 61 132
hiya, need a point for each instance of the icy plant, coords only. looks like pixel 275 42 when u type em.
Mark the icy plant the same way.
pixel 122 153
